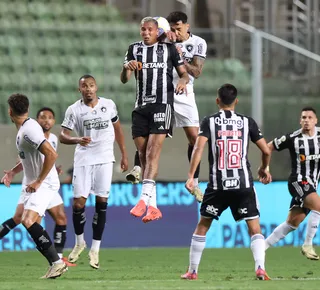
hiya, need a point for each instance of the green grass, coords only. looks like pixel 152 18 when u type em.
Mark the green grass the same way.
pixel 160 268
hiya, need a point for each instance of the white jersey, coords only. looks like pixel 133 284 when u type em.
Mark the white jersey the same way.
pixel 29 139
pixel 53 140
pixel 96 123
pixel 193 46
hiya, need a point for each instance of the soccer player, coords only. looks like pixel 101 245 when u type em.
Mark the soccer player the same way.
pixel 230 181
pixel 96 123
pixel 304 149
pixel 41 179
pixel 46 119
pixel 152 63
pixel 192 50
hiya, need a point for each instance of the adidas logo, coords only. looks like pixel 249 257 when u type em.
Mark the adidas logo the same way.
pixel 301 146
pixel 161 128
pixel 43 239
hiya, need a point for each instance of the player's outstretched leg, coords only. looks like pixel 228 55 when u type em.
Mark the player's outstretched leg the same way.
pixel 307 248
pixel 6 227
pixel 79 220
pixel 279 233
pixel 135 174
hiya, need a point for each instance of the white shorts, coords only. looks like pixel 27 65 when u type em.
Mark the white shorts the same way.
pixel 41 200
pixel 185 111
pixel 55 201
pixel 95 179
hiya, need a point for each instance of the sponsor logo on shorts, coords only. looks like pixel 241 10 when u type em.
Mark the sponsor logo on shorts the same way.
pixel 159 117
pixel 242 210
pixel 212 210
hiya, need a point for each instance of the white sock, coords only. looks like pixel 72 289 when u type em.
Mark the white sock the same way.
pixel 258 251
pixel 196 182
pixel 197 246
pixel 147 189
pixel 137 168
pixel 153 199
pixel 95 245
pixel 278 234
pixel 312 227
pixel 60 255
pixel 58 262
pixel 80 239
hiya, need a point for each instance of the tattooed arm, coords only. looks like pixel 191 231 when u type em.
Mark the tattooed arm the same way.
pixel 195 67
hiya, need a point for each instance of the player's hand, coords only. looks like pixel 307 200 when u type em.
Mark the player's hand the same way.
pixel 264 175
pixel 181 87
pixel 131 65
pixel 171 36
pixel 179 50
pixel 124 163
pixel 190 184
pixel 32 187
pixel 59 170
pixel 84 141
pixel 7 178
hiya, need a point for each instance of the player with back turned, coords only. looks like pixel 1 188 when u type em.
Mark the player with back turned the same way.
pixel 230 182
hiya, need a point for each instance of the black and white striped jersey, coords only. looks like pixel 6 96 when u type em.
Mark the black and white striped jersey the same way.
pixel 228 136
pixel 154 77
pixel 305 154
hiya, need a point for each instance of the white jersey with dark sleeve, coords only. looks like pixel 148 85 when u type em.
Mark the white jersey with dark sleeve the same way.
pixel 194 46
pixel 29 139
pixel 96 123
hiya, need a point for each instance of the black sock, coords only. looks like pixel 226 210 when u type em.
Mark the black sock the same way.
pixel 43 242
pixel 59 237
pixel 197 172
pixel 99 220
pixel 137 159
pixel 79 220
pixel 6 227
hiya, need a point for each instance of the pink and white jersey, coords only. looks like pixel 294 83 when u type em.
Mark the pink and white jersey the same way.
pixel 96 123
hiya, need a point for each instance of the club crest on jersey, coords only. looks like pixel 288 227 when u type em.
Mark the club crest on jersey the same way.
pixel 103 109
pixel 94 112
pixel 159 52
pixel 189 47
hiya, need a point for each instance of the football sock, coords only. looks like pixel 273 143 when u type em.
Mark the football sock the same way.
pixel 137 159
pixel 278 234
pixel 95 245
pixel 43 242
pixel 99 220
pixel 197 172
pixel 258 250
pixel 197 246
pixel 6 227
pixel 312 227
pixel 60 236
pixel 79 220
pixel 147 189
pixel 153 199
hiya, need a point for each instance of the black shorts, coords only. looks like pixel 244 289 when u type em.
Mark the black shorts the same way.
pixel 299 191
pixel 242 202
pixel 152 119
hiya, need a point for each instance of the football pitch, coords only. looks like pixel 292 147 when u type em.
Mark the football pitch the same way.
pixel 160 268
